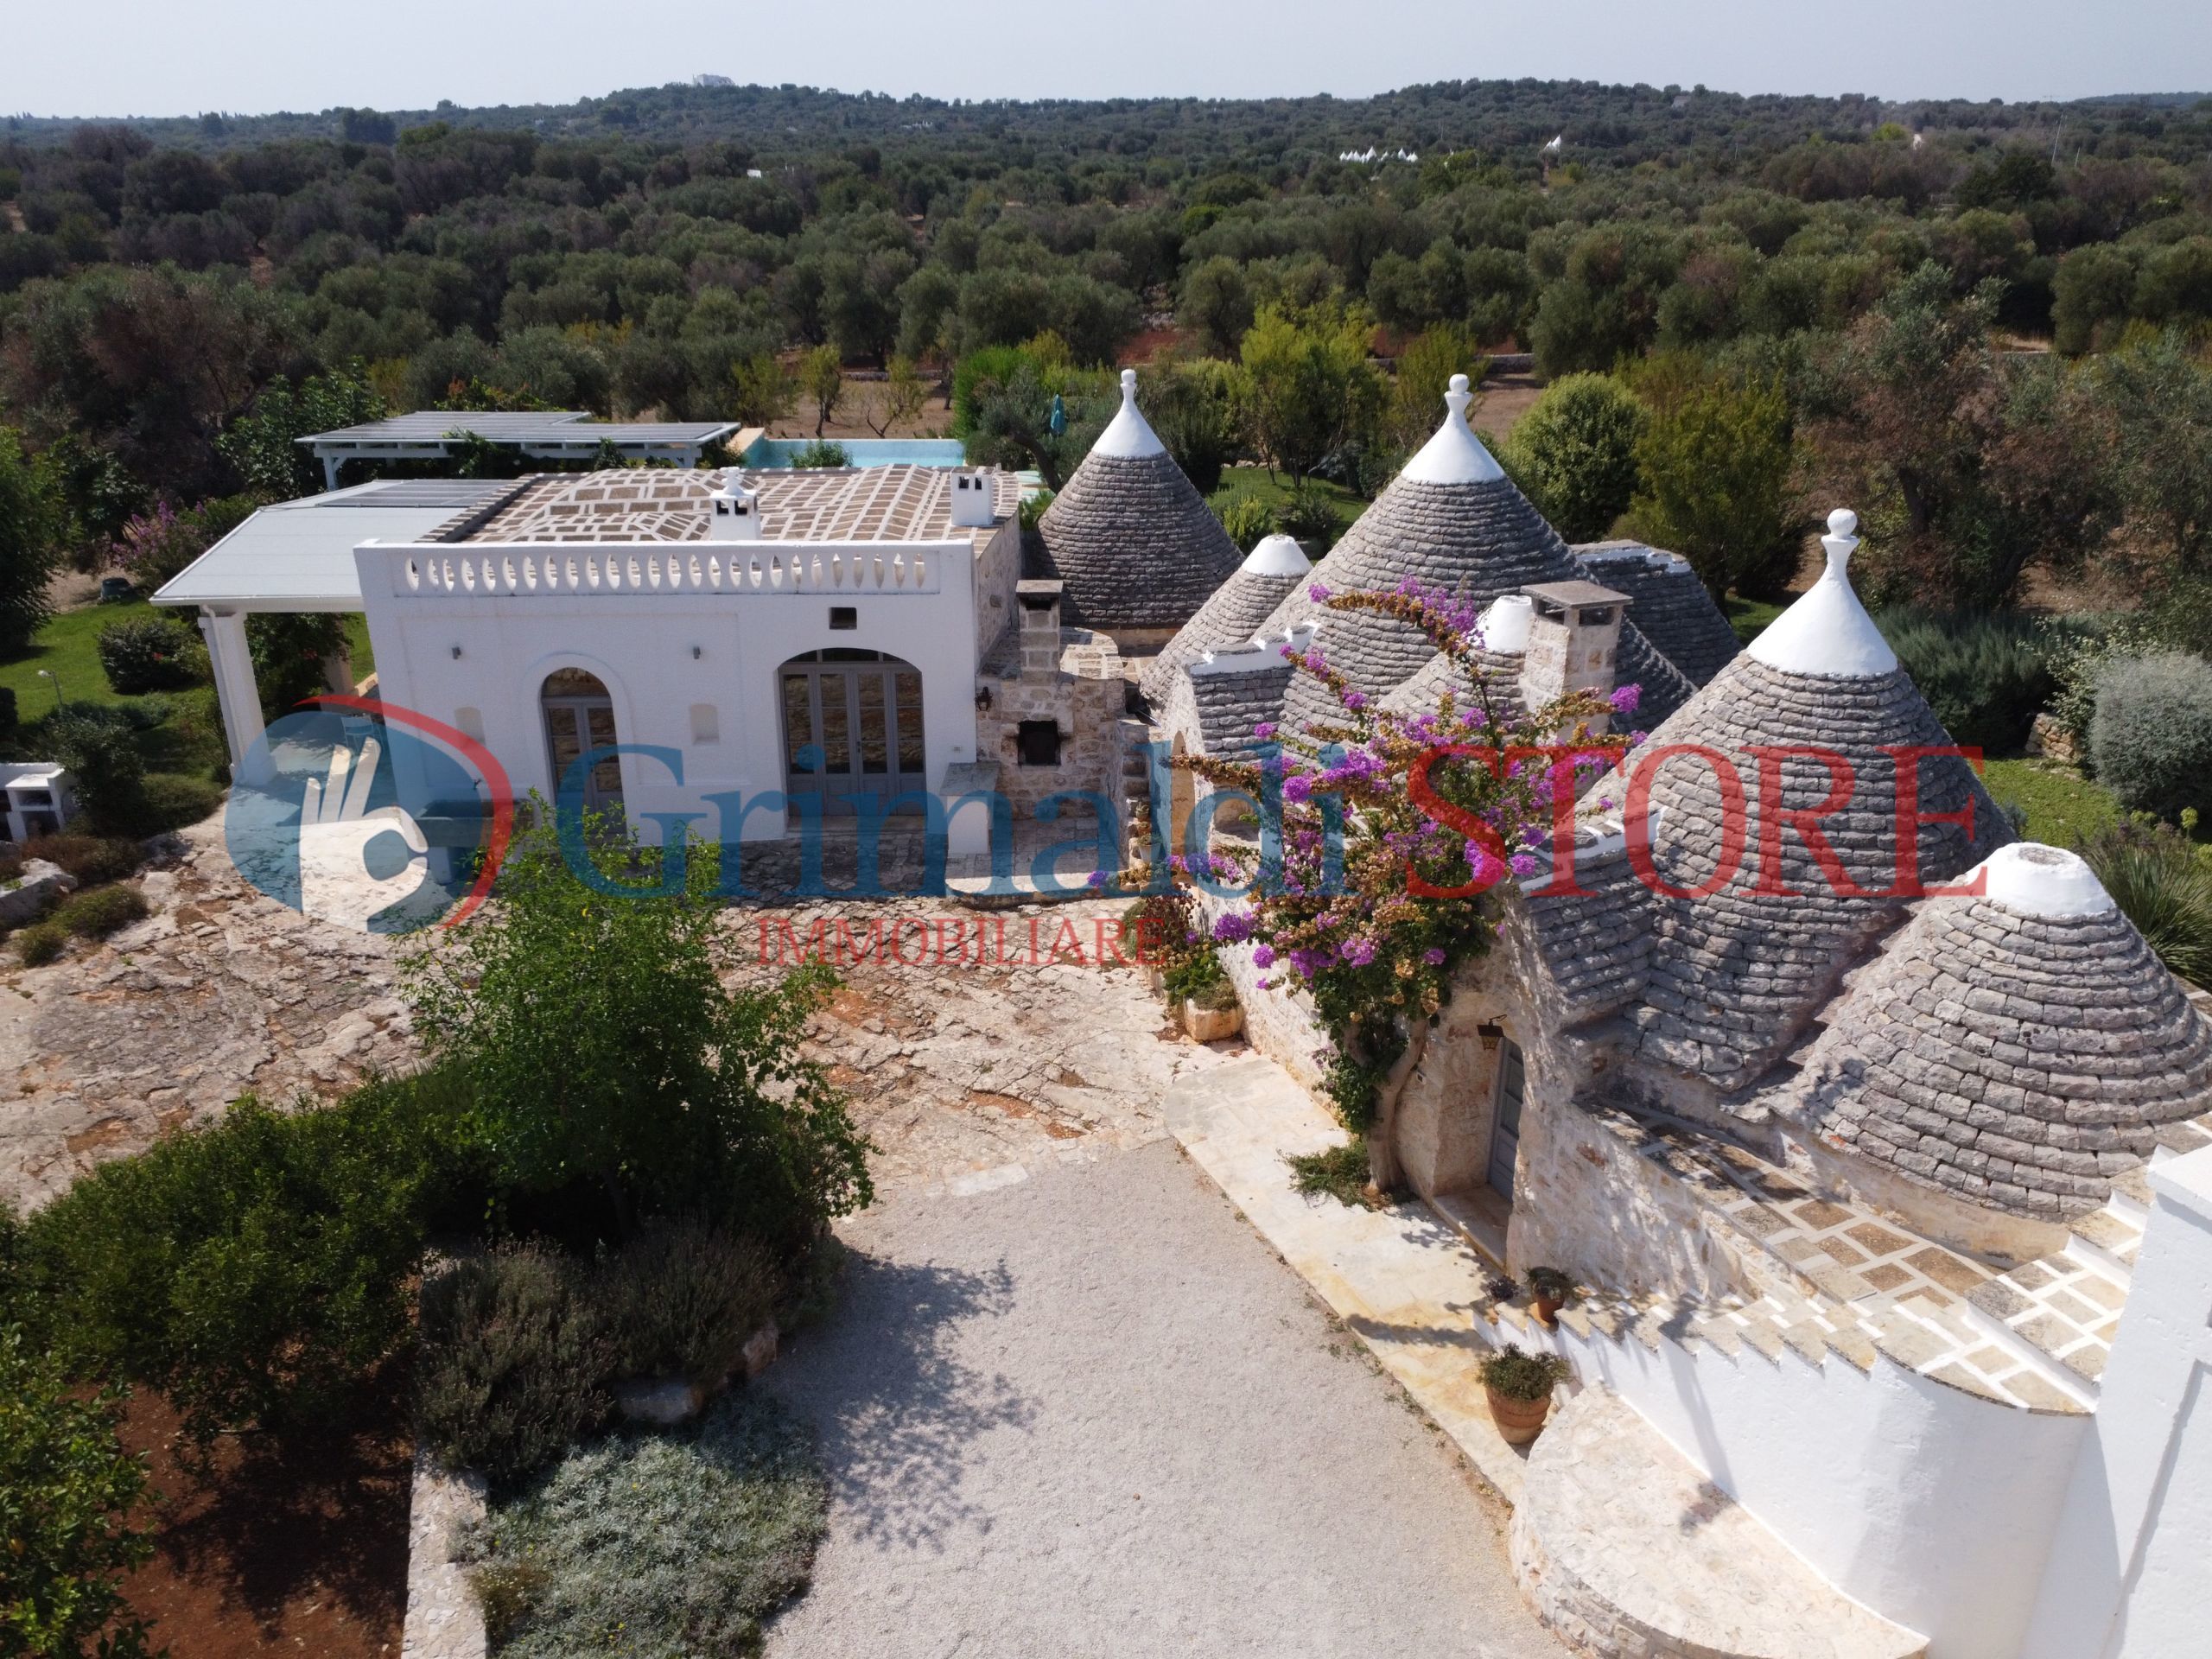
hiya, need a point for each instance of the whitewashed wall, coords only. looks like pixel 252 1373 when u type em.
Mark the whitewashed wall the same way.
pixel 1933 1507
pixel 2131 1573
pixel 641 647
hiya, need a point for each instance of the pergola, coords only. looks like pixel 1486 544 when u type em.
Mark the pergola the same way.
pixel 296 557
pixel 544 435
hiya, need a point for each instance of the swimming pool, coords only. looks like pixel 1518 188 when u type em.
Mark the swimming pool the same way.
pixel 768 453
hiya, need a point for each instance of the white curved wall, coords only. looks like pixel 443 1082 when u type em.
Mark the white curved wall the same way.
pixel 1932 1507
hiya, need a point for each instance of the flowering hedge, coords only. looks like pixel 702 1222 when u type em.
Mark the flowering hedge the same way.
pixel 1386 835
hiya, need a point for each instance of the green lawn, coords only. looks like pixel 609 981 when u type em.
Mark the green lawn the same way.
pixel 1240 483
pixel 1748 617
pixel 2062 806
pixel 68 648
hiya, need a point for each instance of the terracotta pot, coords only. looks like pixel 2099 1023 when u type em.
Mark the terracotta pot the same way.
pixel 1519 1421
pixel 1547 1310
pixel 1211 1025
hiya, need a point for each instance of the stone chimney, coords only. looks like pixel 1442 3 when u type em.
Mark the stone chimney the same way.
pixel 1040 628
pixel 975 499
pixel 1574 633
pixel 735 511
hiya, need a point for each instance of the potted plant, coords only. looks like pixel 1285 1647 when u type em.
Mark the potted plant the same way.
pixel 1520 1388
pixel 1550 1290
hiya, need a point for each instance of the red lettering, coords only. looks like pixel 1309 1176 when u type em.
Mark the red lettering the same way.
pixel 1636 819
pixel 874 950
pixel 1073 941
pixel 1911 819
pixel 1774 818
pixel 814 949
pixel 1424 796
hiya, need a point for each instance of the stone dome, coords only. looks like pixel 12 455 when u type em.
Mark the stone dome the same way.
pixel 1129 536
pixel 2018 1049
pixel 1233 616
pixel 1736 971
pixel 1454 521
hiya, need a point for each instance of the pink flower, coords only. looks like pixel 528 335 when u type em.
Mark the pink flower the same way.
pixel 1263 955
pixel 1625 698
pixel 1317 591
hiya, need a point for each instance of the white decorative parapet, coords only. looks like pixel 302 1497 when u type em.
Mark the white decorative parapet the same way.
pixel 512 570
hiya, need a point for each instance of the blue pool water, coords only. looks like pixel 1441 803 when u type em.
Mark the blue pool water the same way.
pixel 865 452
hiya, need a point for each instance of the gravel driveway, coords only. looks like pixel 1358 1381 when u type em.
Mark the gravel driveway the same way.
pixel 1091 1414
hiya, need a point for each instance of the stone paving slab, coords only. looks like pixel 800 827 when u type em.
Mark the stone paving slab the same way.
pixel 1399 1278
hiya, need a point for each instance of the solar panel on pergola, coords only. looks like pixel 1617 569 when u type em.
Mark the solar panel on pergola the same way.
pixel 544 435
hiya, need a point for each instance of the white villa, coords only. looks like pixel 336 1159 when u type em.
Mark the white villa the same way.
pixel 1894 1215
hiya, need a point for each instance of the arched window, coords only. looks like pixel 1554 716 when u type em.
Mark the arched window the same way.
pixel 579 717
pixel 852 727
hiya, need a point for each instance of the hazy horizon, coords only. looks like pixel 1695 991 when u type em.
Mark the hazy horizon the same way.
pixel 132 58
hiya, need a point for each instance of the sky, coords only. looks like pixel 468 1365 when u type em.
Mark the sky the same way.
pixel 172 57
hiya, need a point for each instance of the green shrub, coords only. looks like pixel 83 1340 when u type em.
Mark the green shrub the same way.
pixel 1574 454
pixel 1985 674
pixel 41 942
pixel 101 751
pixel 2151 738
pixel 1339 1173
pixel 153 653
pixel 8 717
pixel 685 1297
pixel 821 452
pixel 173 800
pixel 1033 509
pixel 1193 973
pixel 1520 1376
pixel 1248 521
pixel 106 910
pixel 70 1498
pixel 516 1362
pixel 256 1269
pixel 658 1546
pixel 2163 884
pixel 1306 515
pixel 598 1043
pixel 91 859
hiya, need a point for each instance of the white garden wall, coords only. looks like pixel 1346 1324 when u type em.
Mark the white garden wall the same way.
pixel 1931 1506
pixel 2131 1572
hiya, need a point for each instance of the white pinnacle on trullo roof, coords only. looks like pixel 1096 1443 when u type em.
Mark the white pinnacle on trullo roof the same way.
pixel 1455 454
pixel 1277 556
pixel 1827 631
pixel 1129 435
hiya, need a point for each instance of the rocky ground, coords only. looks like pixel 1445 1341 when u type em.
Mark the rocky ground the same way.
pixel 963 1074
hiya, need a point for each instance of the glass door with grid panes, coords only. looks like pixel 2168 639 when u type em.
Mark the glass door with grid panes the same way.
pixel 852 727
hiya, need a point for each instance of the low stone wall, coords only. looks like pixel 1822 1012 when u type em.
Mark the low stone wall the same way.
pixel 443 1621
pixel 1279 1023
pixel 1590 1204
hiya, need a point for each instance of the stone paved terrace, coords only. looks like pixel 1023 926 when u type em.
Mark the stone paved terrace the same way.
pixel 1828 1278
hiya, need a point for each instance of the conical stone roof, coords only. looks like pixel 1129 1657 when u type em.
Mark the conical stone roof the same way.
pixel 1454 521
pixel 1735 973
pixel 1233 616
pixel 1131 539
pixel 2018 1050
pixel 1669 603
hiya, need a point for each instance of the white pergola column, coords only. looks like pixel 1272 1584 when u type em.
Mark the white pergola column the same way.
pixel 231 659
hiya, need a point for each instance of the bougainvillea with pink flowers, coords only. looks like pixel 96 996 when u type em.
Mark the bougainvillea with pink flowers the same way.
pixel 1397 831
